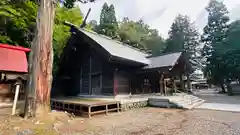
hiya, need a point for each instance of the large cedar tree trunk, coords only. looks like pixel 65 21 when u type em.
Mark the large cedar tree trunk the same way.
pixel 41 61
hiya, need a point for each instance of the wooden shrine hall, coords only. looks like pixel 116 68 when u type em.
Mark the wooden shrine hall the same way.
pixel 93 64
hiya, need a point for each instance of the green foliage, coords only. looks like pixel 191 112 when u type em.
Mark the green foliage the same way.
pixel 183 37
pixel 140 35
pixel 108 23
pixel 214 39
pixel 61 32
pixel 17 22
pixel 230 52
pixel 216 28
pixel 93 24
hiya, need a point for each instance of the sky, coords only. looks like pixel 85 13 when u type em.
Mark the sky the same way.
pixel 159 14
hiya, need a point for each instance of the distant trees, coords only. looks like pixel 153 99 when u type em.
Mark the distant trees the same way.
pixel 214 39
pixel 221 46
pixel 108 22
pixel 183 36
pixel 140 35
pixel 135 33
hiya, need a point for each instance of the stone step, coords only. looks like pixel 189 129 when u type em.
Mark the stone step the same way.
pixel 188 101
pixel 179 101
pixel 185 105
pixel 190 97
pixel 195 104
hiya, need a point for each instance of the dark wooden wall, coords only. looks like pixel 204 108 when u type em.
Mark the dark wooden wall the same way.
pixel 83 70
pixel 143 83
pixel 122 82
pixel 96 74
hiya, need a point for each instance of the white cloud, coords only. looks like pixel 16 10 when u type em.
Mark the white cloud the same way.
pixel 158 14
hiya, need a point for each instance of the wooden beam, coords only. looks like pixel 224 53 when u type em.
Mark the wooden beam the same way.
pixel 174 85
pixel 115 83
pixel 164 86
pixel 101 78
pixel 81 77
pixel 90 77
pixel 162 83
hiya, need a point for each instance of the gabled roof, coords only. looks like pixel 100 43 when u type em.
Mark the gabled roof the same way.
pixel 13 58
pixel 167 60
pixel 118 49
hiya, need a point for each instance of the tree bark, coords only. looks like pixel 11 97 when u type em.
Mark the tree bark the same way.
pixel 40 75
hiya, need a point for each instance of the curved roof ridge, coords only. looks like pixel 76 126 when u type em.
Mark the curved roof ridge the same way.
pixel 119 42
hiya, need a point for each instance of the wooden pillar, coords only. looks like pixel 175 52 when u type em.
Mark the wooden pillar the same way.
pixel 182 82
pixel 189 88
pixel 89 111
pixel 81 83
pixel 174 85
pixel 164 86
pixel 115 82
pixel 16 97
pixel 106 109
pixel 90 75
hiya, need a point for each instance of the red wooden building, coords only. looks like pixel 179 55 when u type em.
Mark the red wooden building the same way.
pixel 13 67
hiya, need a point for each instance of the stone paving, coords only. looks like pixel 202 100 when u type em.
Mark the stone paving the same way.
pixel 221 107
pixel 215 101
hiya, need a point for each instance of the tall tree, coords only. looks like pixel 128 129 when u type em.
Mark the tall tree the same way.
pixel 213 37
pixel 93 24
pixel 230 55
pixel 183 37
pixel 108 23
pixel 41 57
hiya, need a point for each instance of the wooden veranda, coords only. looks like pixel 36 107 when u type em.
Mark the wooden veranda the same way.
pixel 85 107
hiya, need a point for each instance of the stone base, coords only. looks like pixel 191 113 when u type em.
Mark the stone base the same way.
pixel 162 103
pixel 133 105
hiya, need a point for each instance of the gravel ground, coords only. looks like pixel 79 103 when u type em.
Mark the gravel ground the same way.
pixel 144 121
pixel 156 121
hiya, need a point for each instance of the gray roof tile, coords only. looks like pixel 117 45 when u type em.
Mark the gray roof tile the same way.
pixel 117 48
pixel 164 60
